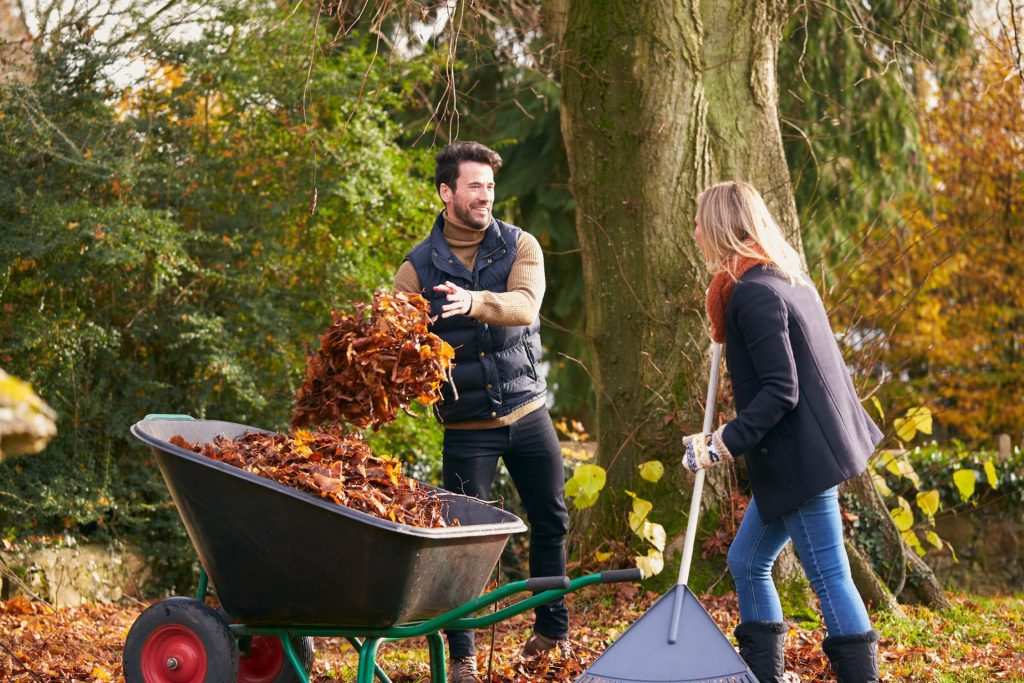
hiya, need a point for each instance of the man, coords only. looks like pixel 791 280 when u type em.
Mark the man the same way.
pixel 485 280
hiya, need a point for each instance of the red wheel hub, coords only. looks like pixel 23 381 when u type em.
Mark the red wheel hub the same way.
pixel 173 654
pixel 265 660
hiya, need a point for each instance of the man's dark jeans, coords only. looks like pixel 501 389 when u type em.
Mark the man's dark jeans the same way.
pixel 533 458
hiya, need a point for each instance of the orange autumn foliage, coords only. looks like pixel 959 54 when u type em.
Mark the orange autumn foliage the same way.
pixel 940 292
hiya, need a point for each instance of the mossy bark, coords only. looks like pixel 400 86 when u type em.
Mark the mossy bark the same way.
pixel 660 99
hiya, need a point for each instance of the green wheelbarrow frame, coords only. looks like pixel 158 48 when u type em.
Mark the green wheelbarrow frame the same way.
pixel 366 641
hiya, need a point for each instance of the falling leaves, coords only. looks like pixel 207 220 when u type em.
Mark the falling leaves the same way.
pixel 374 362
pixel 337 467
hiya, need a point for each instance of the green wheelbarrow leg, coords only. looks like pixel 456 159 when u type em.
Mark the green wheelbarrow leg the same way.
pixel 293 657
pixel 435 644
pixel 368 661
pixel 358 645
pixel 204 584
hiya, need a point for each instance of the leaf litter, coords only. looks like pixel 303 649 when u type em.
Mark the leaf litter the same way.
pixel 84 643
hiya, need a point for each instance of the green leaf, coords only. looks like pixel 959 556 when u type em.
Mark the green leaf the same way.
pixel 585 485
pixel 990 474
pixel 650 564
pixel 652 470
pixel 965 481
pixel 929 502
pixel 903 515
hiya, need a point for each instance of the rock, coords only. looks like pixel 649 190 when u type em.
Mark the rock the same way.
pixel 67 576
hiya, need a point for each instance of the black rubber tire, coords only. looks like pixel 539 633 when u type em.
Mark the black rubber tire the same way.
pixel 303 648
pixel 183 630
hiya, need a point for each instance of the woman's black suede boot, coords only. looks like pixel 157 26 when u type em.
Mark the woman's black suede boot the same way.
pixel 763 648
pixel 854 657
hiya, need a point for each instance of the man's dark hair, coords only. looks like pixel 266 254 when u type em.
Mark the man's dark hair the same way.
pixel 449 158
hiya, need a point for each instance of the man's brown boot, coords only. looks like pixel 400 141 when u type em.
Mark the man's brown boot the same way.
pixel 463 670
pixel 537 645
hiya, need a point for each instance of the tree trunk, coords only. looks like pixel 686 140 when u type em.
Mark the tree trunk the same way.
pixel 659 100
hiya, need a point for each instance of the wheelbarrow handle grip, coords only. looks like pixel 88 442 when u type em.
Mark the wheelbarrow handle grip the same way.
pixel 547 583
pixel 621 575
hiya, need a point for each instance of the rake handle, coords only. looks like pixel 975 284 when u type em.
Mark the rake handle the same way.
pixel 698 481
pixel 698 487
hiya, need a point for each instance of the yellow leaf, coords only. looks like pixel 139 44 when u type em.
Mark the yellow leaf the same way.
pixel 929 502
pixel 934 539
pixel 641 508
pixel 652 470
pixel 922 419
pixel 301 437
pixel 915 420
pixel 878 407
pixel 965 480
pixel 100 674
pixel 990 474
pixel 585 484
pixel 650 564
pixel 601 557
pixel 654 534
pixel 913 541
pixel 880 484
pixel 903 516
pixel 899 465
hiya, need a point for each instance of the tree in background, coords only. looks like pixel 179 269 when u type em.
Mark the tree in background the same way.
pixel 158 252
pixel 850 78
pixel 937 298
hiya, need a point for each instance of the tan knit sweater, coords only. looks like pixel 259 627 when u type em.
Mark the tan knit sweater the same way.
pixel 519 305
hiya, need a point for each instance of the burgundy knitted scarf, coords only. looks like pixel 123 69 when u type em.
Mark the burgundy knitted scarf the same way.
pixel 721 289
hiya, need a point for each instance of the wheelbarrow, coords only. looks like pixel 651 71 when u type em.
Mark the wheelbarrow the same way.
pixel 289 566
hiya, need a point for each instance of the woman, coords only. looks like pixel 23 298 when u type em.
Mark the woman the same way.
pixel 800 424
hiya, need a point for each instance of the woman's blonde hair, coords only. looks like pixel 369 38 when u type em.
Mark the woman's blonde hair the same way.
pixel 733 219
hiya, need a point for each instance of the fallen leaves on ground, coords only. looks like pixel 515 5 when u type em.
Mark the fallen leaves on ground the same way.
pixel 338 467
pixel 374 362
pixel 84 643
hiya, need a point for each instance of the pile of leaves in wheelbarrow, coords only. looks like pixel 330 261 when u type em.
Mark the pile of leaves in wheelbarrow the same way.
pixel 338 467
pixel 370 364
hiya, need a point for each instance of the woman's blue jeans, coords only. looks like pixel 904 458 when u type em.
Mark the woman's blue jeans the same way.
pixel 816 530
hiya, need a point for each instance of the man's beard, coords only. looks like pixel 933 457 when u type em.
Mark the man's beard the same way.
pixel 466 216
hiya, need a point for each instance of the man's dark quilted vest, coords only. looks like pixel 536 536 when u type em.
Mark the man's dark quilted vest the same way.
pixel 496 367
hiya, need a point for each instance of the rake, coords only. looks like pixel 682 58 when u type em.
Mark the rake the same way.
pixel 676 641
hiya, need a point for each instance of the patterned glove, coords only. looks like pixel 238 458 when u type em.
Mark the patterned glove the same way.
pixel 705 449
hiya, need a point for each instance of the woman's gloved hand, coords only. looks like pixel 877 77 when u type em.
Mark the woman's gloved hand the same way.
pixel 704 449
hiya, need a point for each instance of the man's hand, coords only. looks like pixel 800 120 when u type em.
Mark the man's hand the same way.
pixel 460 299
pixel 703 450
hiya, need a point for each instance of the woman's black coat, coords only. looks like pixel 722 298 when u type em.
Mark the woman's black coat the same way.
pixel 798 419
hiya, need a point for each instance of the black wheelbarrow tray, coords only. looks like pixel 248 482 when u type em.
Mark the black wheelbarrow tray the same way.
pixel 289 566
